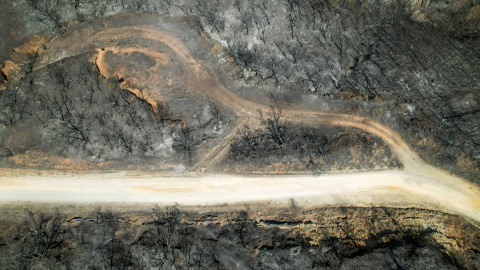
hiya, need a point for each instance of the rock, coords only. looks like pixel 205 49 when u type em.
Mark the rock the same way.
pixel 179 168
pixel 464 104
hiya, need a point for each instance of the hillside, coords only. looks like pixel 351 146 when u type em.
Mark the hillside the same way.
pixel 363 116
pixel 396 63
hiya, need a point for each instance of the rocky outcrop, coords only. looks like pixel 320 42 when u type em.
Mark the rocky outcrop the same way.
pixel 258 238
pixel 458 18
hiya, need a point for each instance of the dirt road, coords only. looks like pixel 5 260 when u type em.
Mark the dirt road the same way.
pixel 66 47
pixel 419 184
pixel 387 188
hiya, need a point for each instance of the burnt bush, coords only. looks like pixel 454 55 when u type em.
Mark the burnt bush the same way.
pixel 286 238
pixel 313 148
pixel 77 113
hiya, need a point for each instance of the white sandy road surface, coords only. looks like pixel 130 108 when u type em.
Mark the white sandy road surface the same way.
pixel 388 188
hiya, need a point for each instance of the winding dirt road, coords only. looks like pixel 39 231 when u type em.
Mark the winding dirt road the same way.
pixel 418 184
